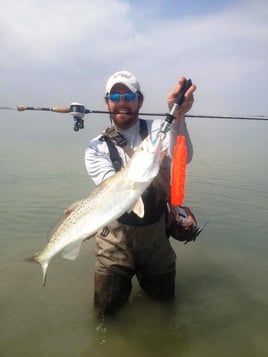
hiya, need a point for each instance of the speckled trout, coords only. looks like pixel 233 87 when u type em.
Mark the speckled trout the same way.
pixel 109 200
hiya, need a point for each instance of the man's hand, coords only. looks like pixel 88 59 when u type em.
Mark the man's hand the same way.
pixel 188 101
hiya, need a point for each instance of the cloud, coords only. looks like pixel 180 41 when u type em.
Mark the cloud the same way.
pixel 61 51
pixel 48 30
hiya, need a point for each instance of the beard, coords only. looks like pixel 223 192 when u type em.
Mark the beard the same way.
pixel 124 117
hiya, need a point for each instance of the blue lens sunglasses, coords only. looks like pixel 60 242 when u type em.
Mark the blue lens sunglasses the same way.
pixel 128 97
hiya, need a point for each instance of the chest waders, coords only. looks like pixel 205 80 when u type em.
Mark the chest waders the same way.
pixel 133 246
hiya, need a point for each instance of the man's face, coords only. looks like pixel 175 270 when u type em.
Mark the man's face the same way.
pixel 125 112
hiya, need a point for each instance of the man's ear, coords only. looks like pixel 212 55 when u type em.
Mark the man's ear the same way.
pixel 140 102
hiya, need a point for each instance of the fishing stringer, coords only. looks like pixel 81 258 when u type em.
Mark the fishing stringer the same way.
pixel 178 172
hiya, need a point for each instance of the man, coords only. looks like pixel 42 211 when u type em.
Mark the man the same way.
pixel 131 245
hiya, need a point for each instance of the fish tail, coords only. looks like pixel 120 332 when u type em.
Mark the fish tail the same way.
pixel 44 264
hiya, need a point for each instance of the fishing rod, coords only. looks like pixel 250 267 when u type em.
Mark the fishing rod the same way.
pixel 78 111
pixel 255 117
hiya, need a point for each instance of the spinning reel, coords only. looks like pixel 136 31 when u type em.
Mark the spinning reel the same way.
pixel 78 112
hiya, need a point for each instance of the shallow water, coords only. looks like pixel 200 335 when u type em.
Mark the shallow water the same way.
pixel 221 305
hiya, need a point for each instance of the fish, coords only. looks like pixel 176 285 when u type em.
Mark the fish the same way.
pixel 118 194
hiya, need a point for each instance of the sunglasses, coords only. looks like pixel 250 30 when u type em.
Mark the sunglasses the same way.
pixel 128 97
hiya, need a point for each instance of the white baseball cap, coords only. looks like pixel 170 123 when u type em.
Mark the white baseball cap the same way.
pixel 123 77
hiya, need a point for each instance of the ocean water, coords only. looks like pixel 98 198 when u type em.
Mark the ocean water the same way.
pixel 221 305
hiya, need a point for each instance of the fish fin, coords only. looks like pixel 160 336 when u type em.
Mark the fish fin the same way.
pixel 44 266
pixel 72 207
pixel 72 250
pixel 44 270
pixel 138 208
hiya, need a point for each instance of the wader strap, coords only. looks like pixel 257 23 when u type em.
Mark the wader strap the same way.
pixel 115 157
pixel 143 129
pixel 113 138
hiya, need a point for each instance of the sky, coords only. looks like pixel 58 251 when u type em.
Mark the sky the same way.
pixel 57 52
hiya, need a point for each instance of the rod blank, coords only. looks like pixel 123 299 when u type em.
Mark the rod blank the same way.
pixel 64 110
